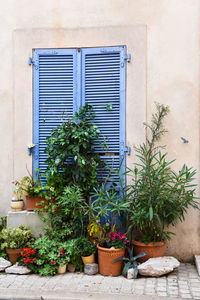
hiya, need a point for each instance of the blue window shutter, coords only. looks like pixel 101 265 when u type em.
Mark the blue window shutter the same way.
pixel 103 86
pixel 54 95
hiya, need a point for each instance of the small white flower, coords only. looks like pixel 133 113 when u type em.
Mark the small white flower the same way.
pixel 31 146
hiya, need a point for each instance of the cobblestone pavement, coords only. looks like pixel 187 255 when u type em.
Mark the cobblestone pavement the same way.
pixel 183 283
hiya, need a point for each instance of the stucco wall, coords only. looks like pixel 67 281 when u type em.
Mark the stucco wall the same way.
pixel 163 37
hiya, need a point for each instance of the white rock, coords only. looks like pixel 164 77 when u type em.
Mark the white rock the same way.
pixel 4 264
pixel 130 273
pixel 158 266
pixel 16 269
pixel 197 263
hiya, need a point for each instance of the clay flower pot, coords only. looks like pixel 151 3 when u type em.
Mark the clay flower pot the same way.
pixel 62 269
pixel 156 249
pixel 88 259
pixel 32 201
pixel 17 205
pixel 13 254
pixel 105 258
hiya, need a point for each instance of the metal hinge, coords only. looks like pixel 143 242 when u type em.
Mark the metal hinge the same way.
pixel 30 61
pixel 128 57
pixel 127 150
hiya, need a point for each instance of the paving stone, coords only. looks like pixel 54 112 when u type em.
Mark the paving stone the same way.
pixel 168 286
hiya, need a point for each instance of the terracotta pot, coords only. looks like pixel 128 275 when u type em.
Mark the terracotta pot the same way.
pixel 88 259
pixel 17 205
pixel 156 249
pixel 13 254
pixel 32 201
pixel 62 269
pixel 105 258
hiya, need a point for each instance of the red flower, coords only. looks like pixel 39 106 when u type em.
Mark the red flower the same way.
pixel 53 262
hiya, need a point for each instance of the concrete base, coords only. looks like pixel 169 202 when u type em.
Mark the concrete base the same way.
pixel 197 263
pixel 29 218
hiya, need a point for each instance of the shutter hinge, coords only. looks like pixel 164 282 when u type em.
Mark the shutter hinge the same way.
pixel 127 57
pixel 30 61
pixel 127 150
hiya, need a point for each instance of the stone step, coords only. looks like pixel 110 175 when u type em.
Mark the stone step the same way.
pixel 29 218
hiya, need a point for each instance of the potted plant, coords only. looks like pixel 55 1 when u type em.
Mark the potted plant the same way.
pixel 158 196
pixel 111 248
pixel 14 240
pixel 17 203
pixel 87 250
pixel 46 256
pixel 130 262
pixel 34 191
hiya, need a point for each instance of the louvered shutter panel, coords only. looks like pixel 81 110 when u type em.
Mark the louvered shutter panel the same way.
pixel 54 73
pixel 103 86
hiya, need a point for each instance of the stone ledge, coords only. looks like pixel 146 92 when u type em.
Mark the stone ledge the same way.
pixel 29 218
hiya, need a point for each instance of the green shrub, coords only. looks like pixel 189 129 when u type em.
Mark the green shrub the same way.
pixel 17 237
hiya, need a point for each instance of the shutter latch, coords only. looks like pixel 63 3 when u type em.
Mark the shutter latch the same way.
pixel 127 150
pixel 127 57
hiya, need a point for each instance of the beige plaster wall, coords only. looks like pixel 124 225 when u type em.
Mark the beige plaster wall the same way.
pixel 163 37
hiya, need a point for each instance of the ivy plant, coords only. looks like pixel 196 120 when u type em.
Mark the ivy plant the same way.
pixel 71 152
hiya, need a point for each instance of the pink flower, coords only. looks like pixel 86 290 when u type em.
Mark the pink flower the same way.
pixel 115 234
pixel 109 236
pixel 13 182
pixel 97 221
pixel 113 238
pixel 120 237
pixel 124 236
pixel 127 241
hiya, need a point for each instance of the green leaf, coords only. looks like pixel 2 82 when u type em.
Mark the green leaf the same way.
pixel 150 213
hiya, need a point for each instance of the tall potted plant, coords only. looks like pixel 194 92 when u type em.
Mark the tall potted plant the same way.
pixel 158 196
pixel 104 214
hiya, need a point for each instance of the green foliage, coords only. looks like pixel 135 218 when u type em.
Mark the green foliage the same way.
pixel 85 247
pixel 107 206
pixel 130 262
pixel 30 186
pixel 3 223
pixel 75 253
pixel 71 156
pixel 17 237
pixel 158 196
pixel 68 220
pixel 48 256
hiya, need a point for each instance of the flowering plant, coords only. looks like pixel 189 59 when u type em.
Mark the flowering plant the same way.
pixel 61 258
pixel 28 256
pixel 18 192
pixel 116 240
